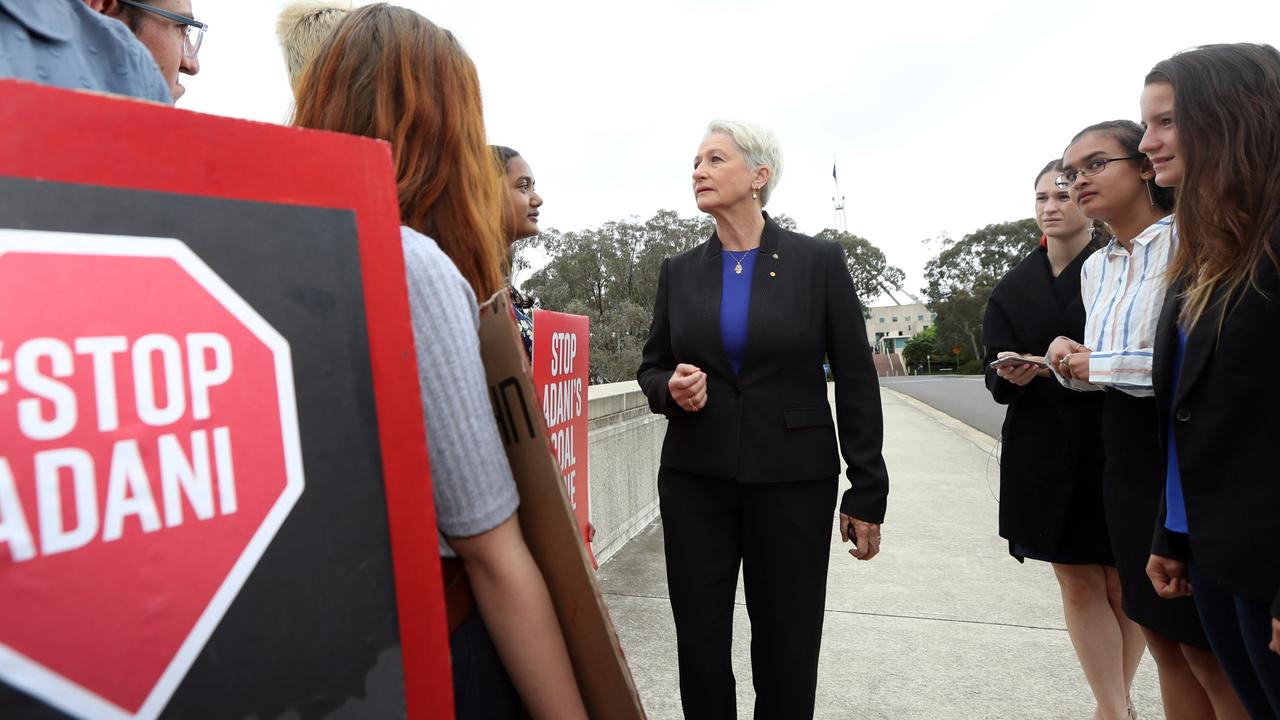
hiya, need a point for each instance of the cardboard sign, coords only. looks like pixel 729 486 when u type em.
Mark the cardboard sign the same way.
pixel 561 356
pixel 549 526
pixel 215 494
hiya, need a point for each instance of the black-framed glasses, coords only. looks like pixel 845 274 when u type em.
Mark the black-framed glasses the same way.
pixel 1091 168
pixel 193 30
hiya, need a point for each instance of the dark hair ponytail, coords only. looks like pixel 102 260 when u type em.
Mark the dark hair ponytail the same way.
pixel 504 155
pixel 1129 134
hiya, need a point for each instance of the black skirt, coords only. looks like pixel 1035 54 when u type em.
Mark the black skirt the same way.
pixel 1084 539
pixel 1132 482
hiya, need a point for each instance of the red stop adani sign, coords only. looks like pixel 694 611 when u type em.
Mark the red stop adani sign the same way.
pixel 149 452
pixel 561 358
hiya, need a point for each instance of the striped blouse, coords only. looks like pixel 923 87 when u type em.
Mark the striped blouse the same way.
pixel 1123 292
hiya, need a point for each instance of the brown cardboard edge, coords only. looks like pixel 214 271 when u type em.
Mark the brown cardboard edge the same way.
pixel 547 522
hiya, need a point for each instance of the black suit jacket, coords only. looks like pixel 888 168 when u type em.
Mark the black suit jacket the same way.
pixel 1052 435
pixel 1226 419
pixel 772 422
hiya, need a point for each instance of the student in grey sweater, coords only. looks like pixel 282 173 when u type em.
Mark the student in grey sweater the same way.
pixel 388 73
pixel 462 437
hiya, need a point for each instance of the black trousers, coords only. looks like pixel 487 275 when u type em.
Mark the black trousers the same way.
pixel 1239 630
pixel 482 690
pixel 780 533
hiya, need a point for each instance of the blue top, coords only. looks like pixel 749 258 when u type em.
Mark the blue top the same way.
pixel 735 302
pixel 66 44
pixel 1175 505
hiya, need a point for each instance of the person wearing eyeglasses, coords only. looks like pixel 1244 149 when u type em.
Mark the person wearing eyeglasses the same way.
pixel 168 30
pixel 43 41
pixel 1123 288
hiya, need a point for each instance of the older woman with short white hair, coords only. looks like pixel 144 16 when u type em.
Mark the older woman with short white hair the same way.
pixel 749 468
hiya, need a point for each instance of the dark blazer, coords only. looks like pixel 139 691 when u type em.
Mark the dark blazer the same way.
pixel 1225 405
pixel 772 422
pixel 1052 435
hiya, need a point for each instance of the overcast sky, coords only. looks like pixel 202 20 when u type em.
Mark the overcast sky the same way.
pixel 938 114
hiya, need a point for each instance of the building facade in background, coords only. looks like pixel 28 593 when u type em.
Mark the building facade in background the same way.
pixel 889 327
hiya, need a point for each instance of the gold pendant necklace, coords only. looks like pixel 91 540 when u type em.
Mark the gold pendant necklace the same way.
pixel 737 261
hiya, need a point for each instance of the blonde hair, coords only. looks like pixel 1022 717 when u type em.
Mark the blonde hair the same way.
pixel 302 27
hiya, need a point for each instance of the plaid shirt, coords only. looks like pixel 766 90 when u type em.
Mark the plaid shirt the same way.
pixel 1123 292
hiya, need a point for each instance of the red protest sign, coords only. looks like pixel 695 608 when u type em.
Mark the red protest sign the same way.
pixel 561 352
pixel 156 425
pixel 303 226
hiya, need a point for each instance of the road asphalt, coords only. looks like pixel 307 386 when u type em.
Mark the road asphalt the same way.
pixel 963 397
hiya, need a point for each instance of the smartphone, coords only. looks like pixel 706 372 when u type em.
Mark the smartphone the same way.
pixel 1017 361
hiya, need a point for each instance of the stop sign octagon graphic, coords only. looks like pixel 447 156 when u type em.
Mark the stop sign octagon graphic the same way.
pixel 149 452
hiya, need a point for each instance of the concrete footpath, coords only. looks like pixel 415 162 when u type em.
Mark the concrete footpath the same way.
pixel 942 624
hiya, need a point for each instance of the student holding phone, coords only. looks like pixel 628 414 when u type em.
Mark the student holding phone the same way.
pixel 1123 287
pixel 1051 464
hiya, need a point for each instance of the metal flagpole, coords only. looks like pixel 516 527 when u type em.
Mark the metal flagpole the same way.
pixel 838 200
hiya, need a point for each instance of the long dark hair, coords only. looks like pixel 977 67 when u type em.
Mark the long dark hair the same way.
pixel 1227 113
pixel 389 73
pixel 1129 134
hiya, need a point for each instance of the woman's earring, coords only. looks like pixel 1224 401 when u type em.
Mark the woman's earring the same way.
pixel 1150 195
pixel 754 195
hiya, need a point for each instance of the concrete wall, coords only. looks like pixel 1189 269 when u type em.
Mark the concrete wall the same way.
pixel 624 444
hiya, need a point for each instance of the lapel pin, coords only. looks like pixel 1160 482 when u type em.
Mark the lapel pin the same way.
pixel 773 274
pixel 775 256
